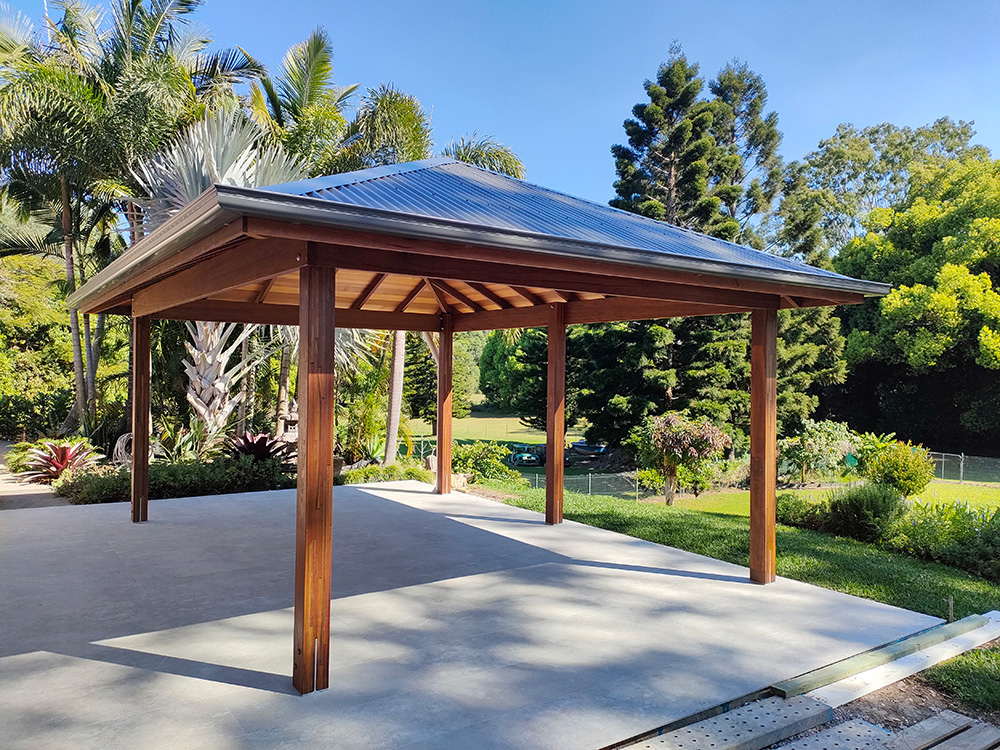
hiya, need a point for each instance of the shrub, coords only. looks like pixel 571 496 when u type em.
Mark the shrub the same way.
pixel 49 461
pixel 19 454
pixel 483 460
pixel 865 512
pixel 819 449
pixel 222 475
pixel 650 480
pixel 37 415
pixel 393 473
pixel 952 533
pixel 907 468
pixel 795 510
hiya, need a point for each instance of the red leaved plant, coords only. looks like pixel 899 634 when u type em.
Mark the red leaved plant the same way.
pixel 48 463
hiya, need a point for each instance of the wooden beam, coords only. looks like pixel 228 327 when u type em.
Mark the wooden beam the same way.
pixel 140 419
pixel 368 291
pixel 529 295
pixel 314 503
pixel 401 307
pixel 444 402
pixel 589 311
pixel 288 315
pixel 517 277
pixel 463 298
pixel 527 259
pixel 555 415
pixel 231 235
pixel 490 295
pixel 763 443
pixel 249 263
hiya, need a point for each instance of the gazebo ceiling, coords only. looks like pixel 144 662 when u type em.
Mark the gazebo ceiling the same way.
pixel 414 241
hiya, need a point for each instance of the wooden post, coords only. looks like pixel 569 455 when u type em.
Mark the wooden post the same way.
pixel 314 509
pixel 763 443
pixel 140 418
pixel 555 419
pixel 445 348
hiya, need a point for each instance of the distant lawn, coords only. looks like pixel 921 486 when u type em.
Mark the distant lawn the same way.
pixel 485 426
pixel 835 563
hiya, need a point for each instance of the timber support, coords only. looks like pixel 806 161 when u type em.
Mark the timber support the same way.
pixel 444 405
pixel 141 377
pixel 763 443
pixel 555 418
pixel 314 500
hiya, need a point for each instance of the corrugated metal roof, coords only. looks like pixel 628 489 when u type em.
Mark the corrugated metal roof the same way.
pixel 457 192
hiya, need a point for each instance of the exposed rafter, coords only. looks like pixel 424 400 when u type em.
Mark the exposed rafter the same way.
pixel 528 295
pixel 447 288
pixel 401 307
pixel 368 291
pixel 490 295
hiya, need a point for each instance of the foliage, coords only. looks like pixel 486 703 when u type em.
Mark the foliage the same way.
pixel 936 332
pixel 260 447
pixel 393 473
pixel 219 476
pixel 665 169
pixel 177 444
pixel 696 478
pixel 864 512
pixel 671 441
pixel 651 480
pixel 483 151
pixel 905 467
pixel 19 454
pixel 818 449
pixel 49 461
pixel 973 677
pixel 38 415
pixel 953 533
pixel 483 460
pixel 795 510
pixel 866 446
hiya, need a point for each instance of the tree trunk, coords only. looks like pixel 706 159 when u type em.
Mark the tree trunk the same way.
pixel 394 416
pixel 74 317
pixel 241 412
pixel 283 377
pixel 669 484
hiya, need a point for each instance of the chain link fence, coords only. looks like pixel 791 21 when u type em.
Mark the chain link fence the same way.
pixel 959 467
pixel 624 485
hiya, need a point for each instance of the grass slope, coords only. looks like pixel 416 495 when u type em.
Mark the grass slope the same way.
pixel 973 677
pixel 835 563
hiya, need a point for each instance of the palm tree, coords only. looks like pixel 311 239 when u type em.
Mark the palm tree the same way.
pixel 79 110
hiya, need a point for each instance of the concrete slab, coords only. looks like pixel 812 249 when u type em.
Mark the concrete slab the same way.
pixel 457 622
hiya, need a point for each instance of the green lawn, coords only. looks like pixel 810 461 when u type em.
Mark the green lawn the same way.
pixel 973 677
pixel 840 564
pixel 738 503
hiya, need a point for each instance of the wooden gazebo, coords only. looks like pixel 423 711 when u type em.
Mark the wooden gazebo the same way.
pixel 439 246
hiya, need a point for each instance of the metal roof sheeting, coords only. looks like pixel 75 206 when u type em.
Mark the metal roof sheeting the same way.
pixel 453 191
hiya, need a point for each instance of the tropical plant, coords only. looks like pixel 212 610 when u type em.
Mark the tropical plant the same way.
pixel 260 447
pixel 483 460
pixel 865 512
pixel 671 441
pixel 177 443
pixel 47 463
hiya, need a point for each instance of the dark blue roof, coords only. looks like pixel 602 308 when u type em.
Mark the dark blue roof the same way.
pixel 458 193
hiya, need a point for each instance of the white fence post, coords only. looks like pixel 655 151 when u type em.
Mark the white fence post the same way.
pixel 961 468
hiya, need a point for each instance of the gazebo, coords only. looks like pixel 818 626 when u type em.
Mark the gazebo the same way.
pixel 439 246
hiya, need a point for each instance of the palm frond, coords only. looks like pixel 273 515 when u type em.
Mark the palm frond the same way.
pixel 306 72
pixel 17 35
pixel 483 151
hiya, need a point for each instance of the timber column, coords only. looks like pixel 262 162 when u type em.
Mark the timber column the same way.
pixel 444 401
pixel 555 416
pixel 763 443
pixel 314 499
pixel 140 418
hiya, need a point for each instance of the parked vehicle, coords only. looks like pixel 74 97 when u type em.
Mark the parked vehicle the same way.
pixel 589 449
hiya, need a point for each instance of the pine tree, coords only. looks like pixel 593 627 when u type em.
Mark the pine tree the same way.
pixel 664 171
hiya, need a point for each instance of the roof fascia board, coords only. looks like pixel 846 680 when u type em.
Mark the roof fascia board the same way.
pixel 194 222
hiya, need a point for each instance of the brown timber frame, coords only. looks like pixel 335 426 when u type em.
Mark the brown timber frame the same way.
pixel 247 269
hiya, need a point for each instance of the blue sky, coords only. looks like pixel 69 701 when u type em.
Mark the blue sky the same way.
pixel 556 80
